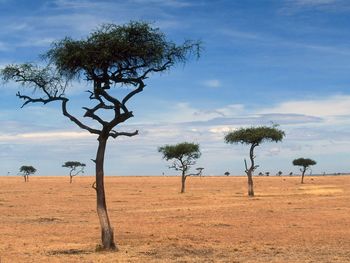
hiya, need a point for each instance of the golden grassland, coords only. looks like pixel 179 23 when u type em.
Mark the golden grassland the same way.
pixel 50 220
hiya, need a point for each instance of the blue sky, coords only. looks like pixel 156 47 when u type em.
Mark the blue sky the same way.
pixel 281 61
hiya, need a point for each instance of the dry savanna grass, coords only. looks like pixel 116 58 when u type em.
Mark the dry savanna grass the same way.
pixel 50 220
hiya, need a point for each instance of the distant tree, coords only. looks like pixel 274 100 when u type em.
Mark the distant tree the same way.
pixel 260 174
pixel 184 155
pixel 27 170
pixel 227 173
pixel 291 173
pixel 254 136
pixel 279 173
pixel 305 163
pixel 74 165
pixel 113 56
pixel 267 173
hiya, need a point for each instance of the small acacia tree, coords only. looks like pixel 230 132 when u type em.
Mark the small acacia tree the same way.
pixel 112 56
pixel 27 170
pixel 74 171
pixel 254 136
pixel 305 163
pixel 184 155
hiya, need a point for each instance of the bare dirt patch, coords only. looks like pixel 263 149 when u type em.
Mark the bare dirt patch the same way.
pixel 50 220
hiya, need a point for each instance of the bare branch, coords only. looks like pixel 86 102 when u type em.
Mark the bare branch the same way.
pixel 28 99
pixel 75 120
pixel 114 134
pixel 134 92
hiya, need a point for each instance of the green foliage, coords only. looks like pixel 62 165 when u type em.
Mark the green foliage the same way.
pixel 27 169
pixel 123 51
pixel 255 135
pixel 185 155
pixel 73 164
pixel 305 162
pixel 180 150
pixel 35 77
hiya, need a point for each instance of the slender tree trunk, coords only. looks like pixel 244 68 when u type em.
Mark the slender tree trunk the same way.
pixel 183 181
pixel 251 169
pixel 107 236
pixel 250 184
pixel 302 176
pixel 70 178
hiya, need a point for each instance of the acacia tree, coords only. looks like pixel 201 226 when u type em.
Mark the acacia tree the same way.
pixel 112 56
pixel 27 170
pixel 253 136
pixel 184 155
pixel 74 165
pixel 305 163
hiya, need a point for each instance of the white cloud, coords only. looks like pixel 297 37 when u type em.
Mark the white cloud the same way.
pixel 315 2
pixel 171 3
pixel 334 106
pixel 41 136
pixel 212 83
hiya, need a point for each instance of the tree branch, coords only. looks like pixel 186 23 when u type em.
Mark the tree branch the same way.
pixel 114 134
pixel 75 120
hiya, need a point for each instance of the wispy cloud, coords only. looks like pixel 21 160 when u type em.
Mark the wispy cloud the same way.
pixel 294 6
pixel 171 3
pixel 337 105
pixel 44 136
pixel 314 2
pixel 3 46
pixel 273 40
pixel 212 83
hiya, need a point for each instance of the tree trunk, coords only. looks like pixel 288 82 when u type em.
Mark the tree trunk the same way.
pixel 251 169
pixel 71 179
pixel 107 236
pixel 302 176
pixel 250 184
pixel 183 181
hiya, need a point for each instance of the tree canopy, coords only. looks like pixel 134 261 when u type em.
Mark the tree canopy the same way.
pixel 305 162
pixel 27 169
pixel 119 53
pixel 180 151
pixel 255 135
pixel 73 164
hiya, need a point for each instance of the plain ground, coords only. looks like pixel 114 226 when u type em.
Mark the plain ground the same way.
pixel 50 220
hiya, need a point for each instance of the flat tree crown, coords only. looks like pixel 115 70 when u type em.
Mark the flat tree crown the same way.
pixel 27 169
pixel 119 52
pixel 180 150
pixel 73 164
pixel 255 135
pixel 305 162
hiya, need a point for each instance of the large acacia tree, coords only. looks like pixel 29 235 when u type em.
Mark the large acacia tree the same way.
pixel 112 56
pixel 304 163
pixel 253 136
pixel 184 155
